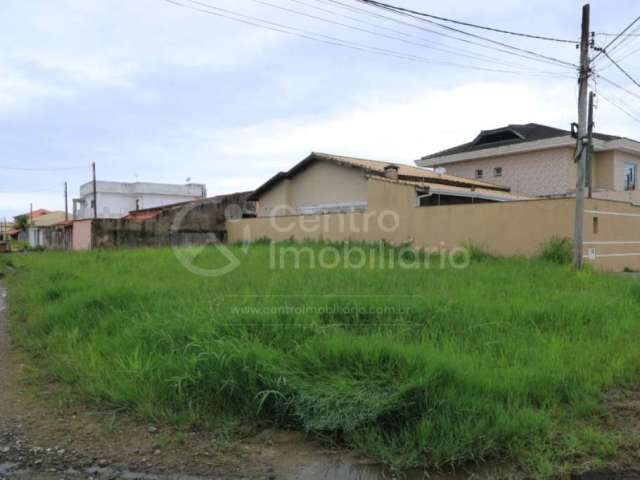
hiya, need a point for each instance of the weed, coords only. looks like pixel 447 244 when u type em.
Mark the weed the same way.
pixel 487 362
pixel 557 250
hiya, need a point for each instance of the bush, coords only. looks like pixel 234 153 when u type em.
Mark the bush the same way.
pixel 477 253
pixel 558 250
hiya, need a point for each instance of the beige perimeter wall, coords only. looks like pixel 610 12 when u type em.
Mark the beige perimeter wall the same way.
pixel 510 228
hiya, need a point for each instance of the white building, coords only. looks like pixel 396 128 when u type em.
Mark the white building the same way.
pixel 117 199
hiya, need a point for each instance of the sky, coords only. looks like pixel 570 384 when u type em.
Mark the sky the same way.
pixel 153 91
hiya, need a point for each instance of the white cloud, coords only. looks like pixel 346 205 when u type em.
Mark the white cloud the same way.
pixel 15 88
pixel 93 69
pixel 400 130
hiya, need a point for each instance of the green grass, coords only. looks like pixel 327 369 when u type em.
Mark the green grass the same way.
pixel 506 360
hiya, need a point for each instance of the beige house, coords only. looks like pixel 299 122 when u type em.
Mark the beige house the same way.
pixel 323 183
pixel 538 160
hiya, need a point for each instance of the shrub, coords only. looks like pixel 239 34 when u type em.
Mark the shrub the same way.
pixel 477 253
pixel 557 250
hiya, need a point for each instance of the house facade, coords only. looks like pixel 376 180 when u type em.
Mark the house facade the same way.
pixel 324 183
pixel 537 160
pixel 117 199
pixel 40 226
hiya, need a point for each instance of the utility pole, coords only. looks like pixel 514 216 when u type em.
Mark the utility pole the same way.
pixel 30 213
pixel 66 204
pixel 95 197
pixel 590 146
pixel 582 147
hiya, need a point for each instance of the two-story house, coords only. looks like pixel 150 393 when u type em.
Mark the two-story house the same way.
pixel 117 199
pixel 538 160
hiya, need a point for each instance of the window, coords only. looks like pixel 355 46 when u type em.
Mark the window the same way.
pixel 497 172
pixel 630 175
pixel 479 173
pixel 595 225
pixel 93 203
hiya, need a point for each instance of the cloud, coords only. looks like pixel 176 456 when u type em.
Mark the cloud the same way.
pixel 377 125
pixel 401 129
pixel 95 70
pixel 16 88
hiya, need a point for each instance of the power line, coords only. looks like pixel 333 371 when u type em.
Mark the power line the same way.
pixel 48 169
pixel 419 16
pixel 621 69
pixel 630 40
pixel 429 43
pixel 327 39
pixel 616 34
pixel 468 24
pixel 629 54
pixel 297 12
pixel 614 84
pixel 617 37
pixel 439 33
pixel 614 104
pixel 27 192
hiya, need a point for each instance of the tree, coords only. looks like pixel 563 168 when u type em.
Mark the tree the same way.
pixel 21 222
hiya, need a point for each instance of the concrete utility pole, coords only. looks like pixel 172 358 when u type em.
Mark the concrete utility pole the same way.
pixel 95 197
pixel 582 148
pixel 66 203
pixel 590 147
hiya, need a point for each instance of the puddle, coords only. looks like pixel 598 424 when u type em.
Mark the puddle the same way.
pixel 115 473
pixel 3 299
pixel 354 471
pixel 7 468
pixel 605 475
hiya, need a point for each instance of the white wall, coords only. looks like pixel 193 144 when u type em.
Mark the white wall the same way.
pixel 116 200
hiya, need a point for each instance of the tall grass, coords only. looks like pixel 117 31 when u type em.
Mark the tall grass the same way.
pixel 557 250
pixel 505 360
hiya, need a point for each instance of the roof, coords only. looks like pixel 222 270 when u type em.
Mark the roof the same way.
pixel 48 219
pixel 486 193
pixel 376 168
pixel 154 212
pixel 35 213
pixel 510 135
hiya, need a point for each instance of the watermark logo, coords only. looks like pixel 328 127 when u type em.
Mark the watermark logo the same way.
pixel 192 247
pixel 188 244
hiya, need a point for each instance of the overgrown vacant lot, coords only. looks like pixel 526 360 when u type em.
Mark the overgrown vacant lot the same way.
pixel 506 360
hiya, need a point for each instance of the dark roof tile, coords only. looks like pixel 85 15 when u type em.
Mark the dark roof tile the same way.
pixel 509 135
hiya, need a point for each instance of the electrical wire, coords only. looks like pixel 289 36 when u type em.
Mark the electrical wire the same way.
pixel 619 35
pixel 619 107
pixel 437 32
pixel 627 74
pixel 48 169
pixel 429 42
pixel 614 84
pixel 265 24
pixel 616 34
pixel 416 15
pixel 468 24
pixel 297 12
pixel 315 17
